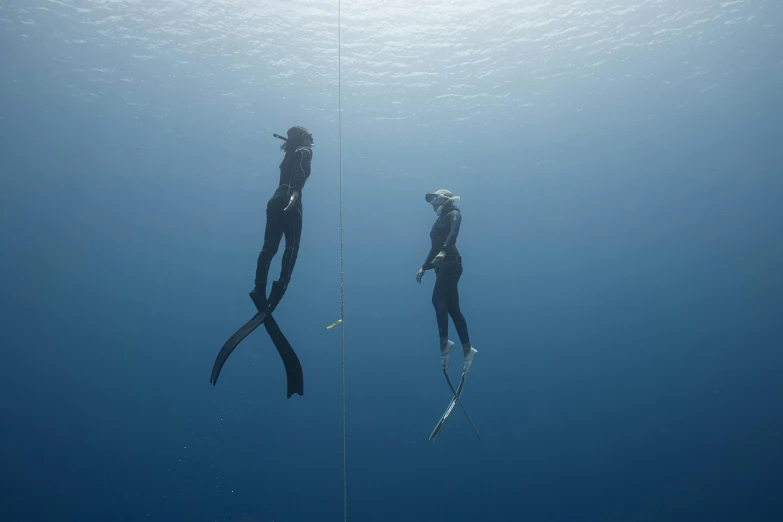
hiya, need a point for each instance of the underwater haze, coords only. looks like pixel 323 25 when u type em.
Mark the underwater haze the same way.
pixel 619 169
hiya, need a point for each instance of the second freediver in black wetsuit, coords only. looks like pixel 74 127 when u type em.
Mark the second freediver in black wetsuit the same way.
pixel 447 262
pixel 283 219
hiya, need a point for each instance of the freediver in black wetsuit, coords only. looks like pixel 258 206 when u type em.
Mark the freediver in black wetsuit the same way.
pixel 283 219
pixel 447 262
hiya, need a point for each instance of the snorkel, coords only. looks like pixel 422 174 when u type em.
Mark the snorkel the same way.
pixel 438 202
pixel 298 135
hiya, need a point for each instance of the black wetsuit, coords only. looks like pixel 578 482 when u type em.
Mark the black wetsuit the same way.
pixel 294 172
pixel 445 295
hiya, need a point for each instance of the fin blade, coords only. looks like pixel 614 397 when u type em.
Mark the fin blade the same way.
pixel 293 367
pixel 233 342
pixel 449 409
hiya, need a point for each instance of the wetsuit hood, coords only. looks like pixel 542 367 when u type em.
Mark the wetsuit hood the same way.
pixel 441 199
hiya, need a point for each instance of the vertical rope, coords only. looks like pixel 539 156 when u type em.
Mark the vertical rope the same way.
pixel 342 270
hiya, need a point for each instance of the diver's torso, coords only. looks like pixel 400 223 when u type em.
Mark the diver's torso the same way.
pixel 440 231
pixel 293 163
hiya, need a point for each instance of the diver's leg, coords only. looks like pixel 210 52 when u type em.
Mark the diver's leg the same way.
pixel 442 317
pixel 452 300
pixel 272 236
pixel 293 234
pixel 292 228
pixel 441 308
pixel 452 303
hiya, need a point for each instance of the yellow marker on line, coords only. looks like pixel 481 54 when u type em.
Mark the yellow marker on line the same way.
pixel 334 324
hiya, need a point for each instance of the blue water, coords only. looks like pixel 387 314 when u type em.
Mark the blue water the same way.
pixel 619 168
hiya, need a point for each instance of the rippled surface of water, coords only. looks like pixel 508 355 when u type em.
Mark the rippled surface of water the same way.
pixel 409 63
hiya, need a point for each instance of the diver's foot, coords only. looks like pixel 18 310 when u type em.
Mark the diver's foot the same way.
pixel 469 360
pixel 278 290
pixel 259 299
pixel 445 354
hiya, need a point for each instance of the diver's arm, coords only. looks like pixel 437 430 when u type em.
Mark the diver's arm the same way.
pixel 428 262
pixel 299 173
pixel 298 176
pixel 456 221
pixel 292 201
pixel 455 218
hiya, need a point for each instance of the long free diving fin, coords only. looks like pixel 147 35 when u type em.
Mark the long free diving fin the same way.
pixel 233 342
pixel 457 397
pixel 454 400
pixel 293 368
pixel 442 422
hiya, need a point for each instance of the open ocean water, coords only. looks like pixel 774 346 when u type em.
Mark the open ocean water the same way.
pixel 619 169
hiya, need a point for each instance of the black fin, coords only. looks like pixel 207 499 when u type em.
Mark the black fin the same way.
pixel 233 342
pixel 293 368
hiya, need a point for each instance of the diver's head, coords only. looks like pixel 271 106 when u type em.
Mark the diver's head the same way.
pixel 297 137
pixel 440 199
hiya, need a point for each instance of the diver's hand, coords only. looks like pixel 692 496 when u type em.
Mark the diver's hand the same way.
pixel 439 258
pixel 419 275
pixel 292 202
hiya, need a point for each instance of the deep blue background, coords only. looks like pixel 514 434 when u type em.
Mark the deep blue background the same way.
pixel 623 286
